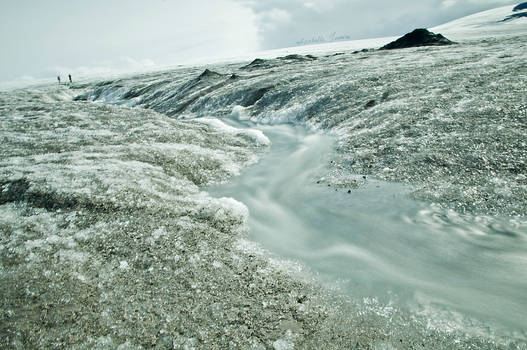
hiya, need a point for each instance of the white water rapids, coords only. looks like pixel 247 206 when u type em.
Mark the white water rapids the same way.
pixel 375 241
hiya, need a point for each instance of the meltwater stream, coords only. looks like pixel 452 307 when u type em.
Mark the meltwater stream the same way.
pixel 375 241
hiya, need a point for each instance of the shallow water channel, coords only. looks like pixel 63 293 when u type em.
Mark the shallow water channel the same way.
pixel 375 241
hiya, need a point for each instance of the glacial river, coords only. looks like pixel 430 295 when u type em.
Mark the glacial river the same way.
pixel 374 241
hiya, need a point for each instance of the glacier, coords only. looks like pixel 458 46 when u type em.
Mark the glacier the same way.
pixel 175 209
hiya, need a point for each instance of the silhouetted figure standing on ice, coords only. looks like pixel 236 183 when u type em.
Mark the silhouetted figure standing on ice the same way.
pixel 58 78
pixel 69 76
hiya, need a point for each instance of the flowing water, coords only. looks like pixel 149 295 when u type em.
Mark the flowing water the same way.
pixel 374 241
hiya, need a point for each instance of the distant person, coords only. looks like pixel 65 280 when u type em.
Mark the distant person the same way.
pixel 69 76
pixel 58 78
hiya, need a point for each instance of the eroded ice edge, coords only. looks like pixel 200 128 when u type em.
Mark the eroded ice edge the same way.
pixel 110 239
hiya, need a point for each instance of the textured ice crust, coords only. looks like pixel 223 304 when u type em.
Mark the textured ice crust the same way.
pixel 107 241
pixel 106 238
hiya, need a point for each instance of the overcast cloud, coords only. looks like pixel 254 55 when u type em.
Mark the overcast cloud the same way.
pixel 285 22
pixel 41 38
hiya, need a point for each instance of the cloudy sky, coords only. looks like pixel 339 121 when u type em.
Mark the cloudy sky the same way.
pixel 43 38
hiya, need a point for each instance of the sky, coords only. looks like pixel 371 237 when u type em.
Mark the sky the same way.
pixel 44 38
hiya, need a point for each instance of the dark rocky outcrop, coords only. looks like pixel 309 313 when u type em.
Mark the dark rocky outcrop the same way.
pixel 296 57
pixel 417 38
pixel 258 63
pixel 514 16
pixel 208 74
pixel 363 51
pixel 522 6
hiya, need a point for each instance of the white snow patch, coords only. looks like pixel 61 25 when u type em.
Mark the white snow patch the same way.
pixel 239 113
pixel 73 256
pixel 123 265
pixel 253 135
pixel 159 233
pixel 285 343
pixel 482 24
pixel 231 205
